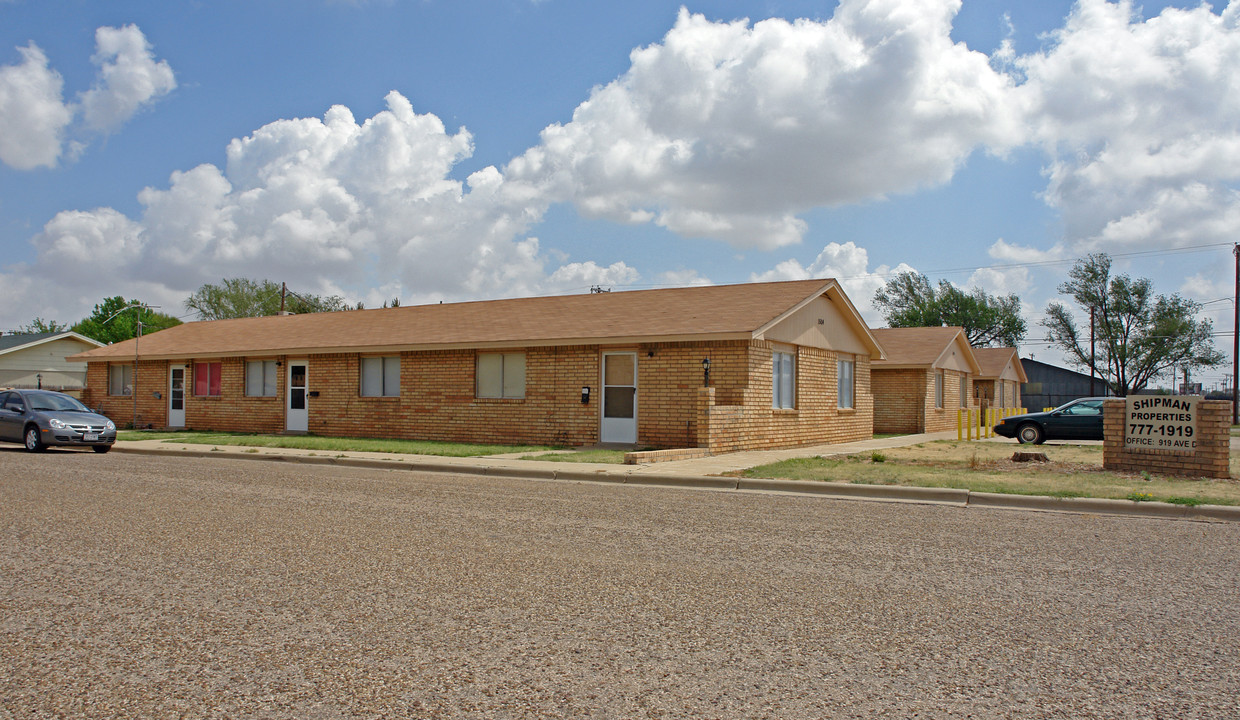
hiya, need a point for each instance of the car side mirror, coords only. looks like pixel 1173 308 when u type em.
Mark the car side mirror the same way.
pixel 18 408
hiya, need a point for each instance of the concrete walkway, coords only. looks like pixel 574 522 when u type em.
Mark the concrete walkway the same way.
pixel 709 473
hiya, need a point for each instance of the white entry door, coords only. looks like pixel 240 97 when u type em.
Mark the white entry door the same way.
pixel 297 405
pixel 176 396
pixel 619 398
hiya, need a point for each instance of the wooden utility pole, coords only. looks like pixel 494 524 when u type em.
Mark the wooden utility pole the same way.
pixel 1235 341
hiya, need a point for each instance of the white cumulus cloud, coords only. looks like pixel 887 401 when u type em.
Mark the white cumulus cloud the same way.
pixel 33 116
pixel 37 123
pixel 728 130
pixel 330 205
pixel 1141 121
pixel 129 78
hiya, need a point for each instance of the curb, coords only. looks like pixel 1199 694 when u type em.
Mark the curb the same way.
pixel 895 493
pixel 844 491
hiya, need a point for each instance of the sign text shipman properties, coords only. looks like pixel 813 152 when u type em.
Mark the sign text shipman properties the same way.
pixel 1160 422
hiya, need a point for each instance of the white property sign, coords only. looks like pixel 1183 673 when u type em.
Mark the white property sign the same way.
pixel 1161 423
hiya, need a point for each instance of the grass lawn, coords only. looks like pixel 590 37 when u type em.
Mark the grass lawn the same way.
pixel 1073 471
pixel 332 444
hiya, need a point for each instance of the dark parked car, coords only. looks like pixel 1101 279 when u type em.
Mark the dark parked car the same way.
pixel 39 418
pixel 1078 420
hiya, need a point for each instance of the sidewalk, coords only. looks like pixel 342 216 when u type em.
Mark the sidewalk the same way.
pixel 708 473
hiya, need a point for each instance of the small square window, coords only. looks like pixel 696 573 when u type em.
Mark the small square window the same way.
pixel 500 375
pixel 207 379
pixel 260 378
pixel 380 376
pixel 120 380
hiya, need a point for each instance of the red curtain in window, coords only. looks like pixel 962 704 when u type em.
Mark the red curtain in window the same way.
pixel 207 378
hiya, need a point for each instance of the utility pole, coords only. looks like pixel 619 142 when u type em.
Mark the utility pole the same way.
pixel 283 292
pixel 137 312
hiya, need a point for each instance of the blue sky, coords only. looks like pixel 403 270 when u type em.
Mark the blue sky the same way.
pixel 512 147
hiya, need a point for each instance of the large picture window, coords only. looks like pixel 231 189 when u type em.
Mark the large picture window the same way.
pixel 501 375
pixel 207 377
pixel 783 380
pixel 120 379
pixel 846 374
pixel 381 376
pixel 260 378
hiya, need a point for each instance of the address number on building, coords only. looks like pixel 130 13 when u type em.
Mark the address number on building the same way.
pixel 1161 423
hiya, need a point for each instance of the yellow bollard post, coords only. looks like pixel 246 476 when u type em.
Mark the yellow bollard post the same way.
pixel 959 425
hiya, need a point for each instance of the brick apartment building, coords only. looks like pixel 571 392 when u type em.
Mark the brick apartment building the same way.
pixel 926 376
pixel 789 364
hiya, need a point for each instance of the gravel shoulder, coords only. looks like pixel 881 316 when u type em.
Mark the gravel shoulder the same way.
pixel 142 586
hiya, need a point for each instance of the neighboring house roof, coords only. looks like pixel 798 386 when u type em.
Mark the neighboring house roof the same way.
pixel 994 361
pixel 925 347
pixel 23 341
pixel 718 312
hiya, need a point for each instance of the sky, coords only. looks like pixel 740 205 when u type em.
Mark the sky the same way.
pixel 448 150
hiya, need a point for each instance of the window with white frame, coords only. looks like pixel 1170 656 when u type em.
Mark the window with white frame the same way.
pixel 1002 394
pixel 501 375
pixel 120 379
pixel 381 376
pixel 964 392
pixel 260 378
pixel 846 374
pixel 938 389
pixel 783 380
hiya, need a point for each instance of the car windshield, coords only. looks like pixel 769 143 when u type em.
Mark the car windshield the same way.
pixel 48 402
pixel 1077 407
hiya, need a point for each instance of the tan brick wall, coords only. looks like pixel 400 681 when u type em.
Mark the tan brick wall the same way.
pixel 900 400
pixel 1212 459
pixel 816 419
pixel 905 400
pixel 151 376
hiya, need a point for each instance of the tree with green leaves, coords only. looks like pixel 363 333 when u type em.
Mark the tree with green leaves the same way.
pixel 1139 336
pixel 909 300
pixel 40 326
pixel 243 297
pixel 116 319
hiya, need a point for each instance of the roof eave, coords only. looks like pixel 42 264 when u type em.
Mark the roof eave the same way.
pixel 424 347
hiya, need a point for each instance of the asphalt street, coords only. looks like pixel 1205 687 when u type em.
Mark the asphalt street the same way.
pixel 143 586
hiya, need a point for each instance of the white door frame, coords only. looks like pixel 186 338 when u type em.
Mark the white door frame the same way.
pixel 618 429
pixel 176 396
pixel 297 419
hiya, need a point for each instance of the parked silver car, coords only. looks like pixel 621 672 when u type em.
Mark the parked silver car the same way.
pixel 39 418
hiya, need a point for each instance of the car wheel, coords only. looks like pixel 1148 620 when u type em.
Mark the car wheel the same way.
pixel 1030 434
pixel 101 448
pixel 31 438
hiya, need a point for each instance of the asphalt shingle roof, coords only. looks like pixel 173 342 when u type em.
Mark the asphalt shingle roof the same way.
pixel 914 346
pixel 994 360
pixel 708 312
